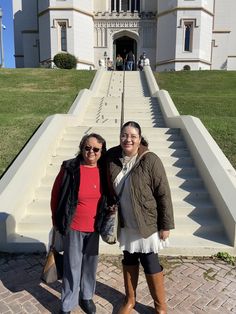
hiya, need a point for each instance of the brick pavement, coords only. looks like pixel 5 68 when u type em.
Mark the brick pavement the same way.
pixel 193 285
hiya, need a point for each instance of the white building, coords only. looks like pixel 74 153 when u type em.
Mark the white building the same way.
pixel 197 34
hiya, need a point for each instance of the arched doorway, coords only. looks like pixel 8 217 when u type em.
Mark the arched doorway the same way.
pixel 123 45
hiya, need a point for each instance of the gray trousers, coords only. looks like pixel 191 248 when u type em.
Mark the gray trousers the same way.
pixel 80 266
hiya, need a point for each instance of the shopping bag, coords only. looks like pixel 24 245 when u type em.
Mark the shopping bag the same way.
pixel 53 267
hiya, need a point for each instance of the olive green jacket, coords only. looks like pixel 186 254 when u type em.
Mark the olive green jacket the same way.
pixel 150 192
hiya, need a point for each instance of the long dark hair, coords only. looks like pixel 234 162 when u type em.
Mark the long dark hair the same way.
pixel 135 125
pixel 98 137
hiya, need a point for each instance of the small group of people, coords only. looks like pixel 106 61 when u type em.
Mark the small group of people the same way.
pixel 143 61
pixel 81 191
pixel 126 63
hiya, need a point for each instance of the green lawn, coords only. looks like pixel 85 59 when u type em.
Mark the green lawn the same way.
pixel 27 97
pixel 210 96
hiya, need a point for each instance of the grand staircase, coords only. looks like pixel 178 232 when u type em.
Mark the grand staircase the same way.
pixel 198 229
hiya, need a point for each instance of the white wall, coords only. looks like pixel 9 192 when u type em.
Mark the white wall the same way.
pixel 166 37
pixel 101 5
pixel 224 35
pixel 81 4
pixel 202 34
pixel 54 32
pixel 207 4
pixel 83 37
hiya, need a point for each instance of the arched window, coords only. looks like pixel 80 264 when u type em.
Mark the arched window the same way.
pixel 188 36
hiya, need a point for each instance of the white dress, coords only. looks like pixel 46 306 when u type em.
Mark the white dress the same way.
pixel 130 238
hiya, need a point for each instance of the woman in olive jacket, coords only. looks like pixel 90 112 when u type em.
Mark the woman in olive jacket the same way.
pixel 146 212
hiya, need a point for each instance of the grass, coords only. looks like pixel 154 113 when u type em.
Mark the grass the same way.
pixel 210 96
pixel 27 97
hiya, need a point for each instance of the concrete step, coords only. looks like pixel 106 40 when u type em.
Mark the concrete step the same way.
pixel 30 223
pixel 162 151
pixel 110 121
pixel 197 244
pixel 167 151
pixel 92 129
pixel 199 225
pixel 201 208
pixel 185 171
pixel 69 143
pixel 185 183
pixel 43 192
pixel 156 122
pixel 192 194
pixel 177 162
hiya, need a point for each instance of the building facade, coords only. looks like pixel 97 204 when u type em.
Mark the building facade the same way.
pixel 175 34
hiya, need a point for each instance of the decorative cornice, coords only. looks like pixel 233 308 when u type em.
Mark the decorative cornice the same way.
pixel 125 15
pixel 117 24
pixel 182 60
pixel 65 9
pixel 185 9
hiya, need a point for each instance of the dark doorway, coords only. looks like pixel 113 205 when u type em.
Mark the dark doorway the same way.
pixel 123 45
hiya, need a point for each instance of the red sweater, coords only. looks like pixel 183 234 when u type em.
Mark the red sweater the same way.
pixel 88 196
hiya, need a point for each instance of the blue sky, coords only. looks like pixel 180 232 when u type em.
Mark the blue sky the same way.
pixel 8 39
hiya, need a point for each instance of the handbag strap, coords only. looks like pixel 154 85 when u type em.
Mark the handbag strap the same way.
pixel 53 238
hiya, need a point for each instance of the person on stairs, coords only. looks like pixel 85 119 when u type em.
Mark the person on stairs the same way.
pixel 77 198
pixel 146 214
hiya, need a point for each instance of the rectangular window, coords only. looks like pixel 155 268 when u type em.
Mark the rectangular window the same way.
pixel 62 36
pixel 188 36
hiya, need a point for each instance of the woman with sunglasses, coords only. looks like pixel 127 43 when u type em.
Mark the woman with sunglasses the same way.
pixel 146 213
pixel 76 199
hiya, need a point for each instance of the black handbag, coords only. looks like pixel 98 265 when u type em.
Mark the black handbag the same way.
pixel 108 229
pixel 53 267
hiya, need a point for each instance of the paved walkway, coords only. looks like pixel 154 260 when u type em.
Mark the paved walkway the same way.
pixel 193 286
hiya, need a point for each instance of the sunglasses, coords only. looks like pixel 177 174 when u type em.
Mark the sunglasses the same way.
pixel 94 149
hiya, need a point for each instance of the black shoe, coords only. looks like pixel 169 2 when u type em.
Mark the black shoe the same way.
pixel 62 312
pixel 87 306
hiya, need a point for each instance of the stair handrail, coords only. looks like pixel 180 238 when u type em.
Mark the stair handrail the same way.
pixel 122 100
